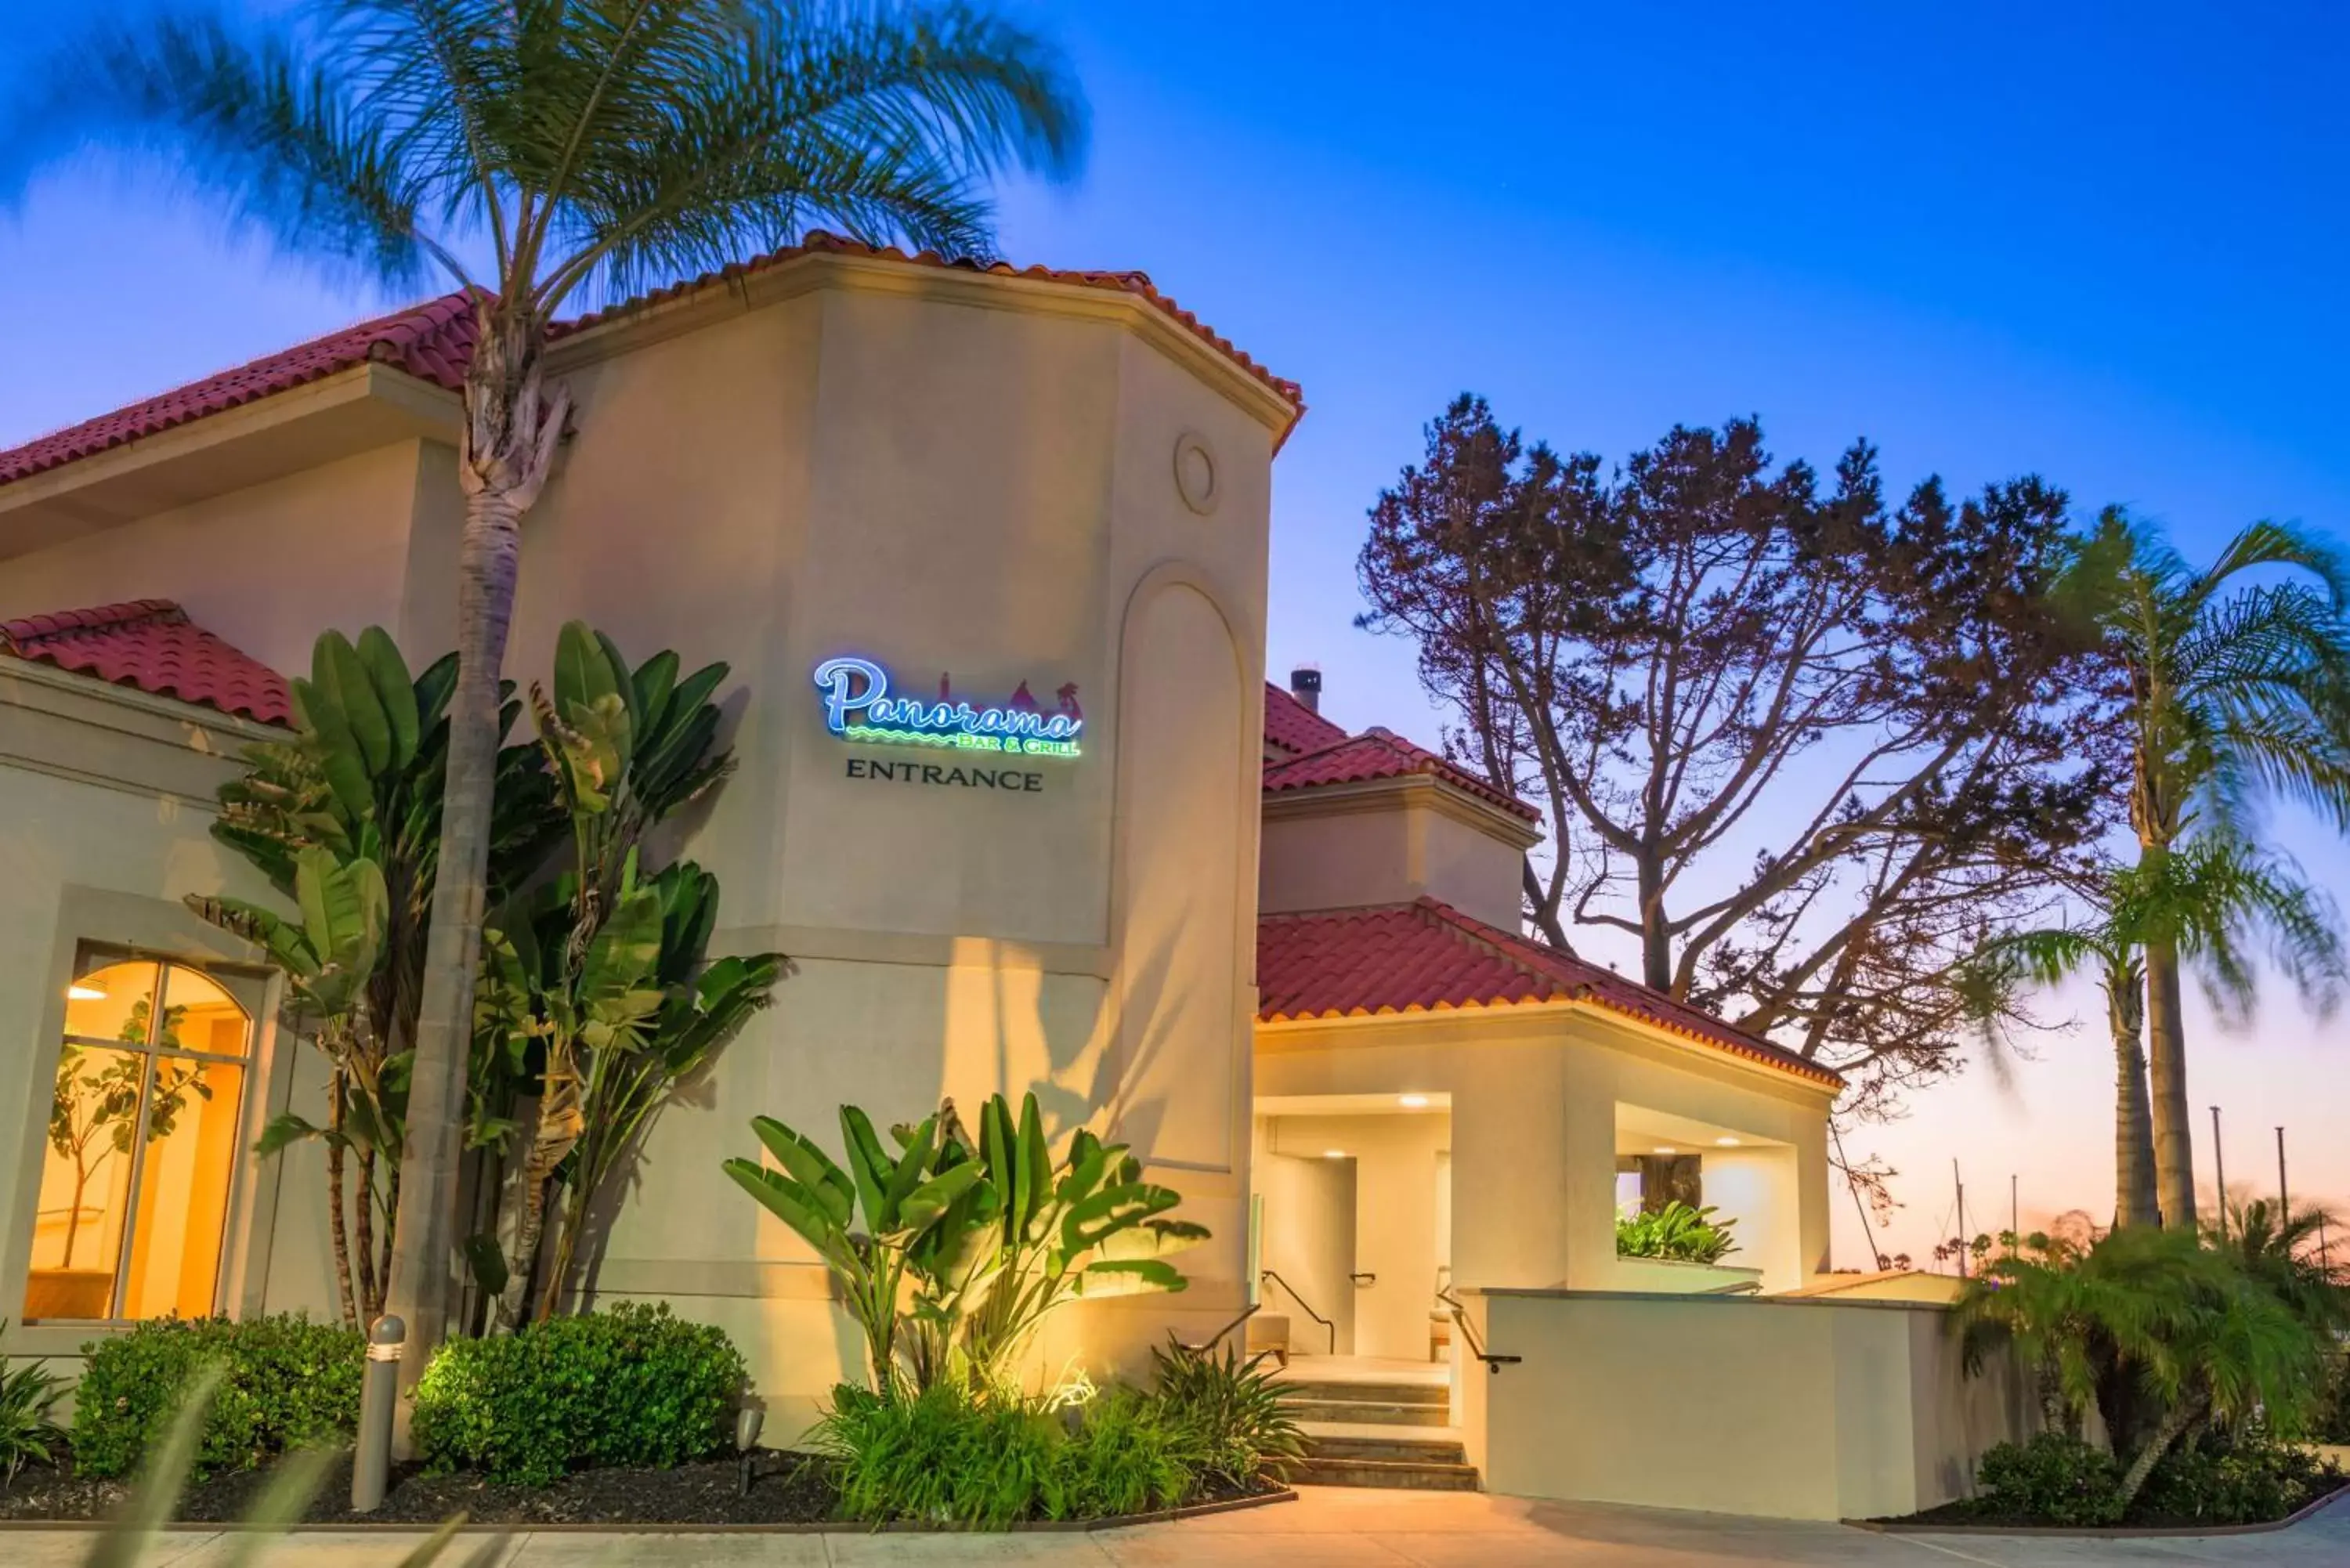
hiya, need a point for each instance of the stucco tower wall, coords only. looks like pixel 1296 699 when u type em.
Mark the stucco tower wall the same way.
pixel 985 489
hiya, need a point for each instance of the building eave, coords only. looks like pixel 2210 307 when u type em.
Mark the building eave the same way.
pixel 357 410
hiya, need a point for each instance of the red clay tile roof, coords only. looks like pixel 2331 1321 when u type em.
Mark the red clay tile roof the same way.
pixel 1293 727
pixel 1137 284
pixel 151 644
pixel 1427 957
pixel 434 340
pixel 1378 753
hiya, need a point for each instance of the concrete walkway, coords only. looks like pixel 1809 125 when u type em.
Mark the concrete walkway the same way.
pixel 1326 1528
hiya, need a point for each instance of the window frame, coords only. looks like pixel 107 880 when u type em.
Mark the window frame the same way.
pixel 250 987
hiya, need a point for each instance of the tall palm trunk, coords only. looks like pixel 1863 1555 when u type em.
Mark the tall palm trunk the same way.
pixel 2174 1143
pixel 2135 1199
pixel 512 426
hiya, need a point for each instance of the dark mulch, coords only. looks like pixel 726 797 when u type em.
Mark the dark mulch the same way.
pixel 1978 1513
pixel 788 1489
pixel 791 1488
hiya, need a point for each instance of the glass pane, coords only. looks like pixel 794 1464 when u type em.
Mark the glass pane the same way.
pixel 199 1015
pixel 85 1182
pixel 183 1187
pixel 110 998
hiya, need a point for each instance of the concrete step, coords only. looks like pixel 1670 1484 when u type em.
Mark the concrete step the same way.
pixel 1351 1413
pixel 1413 1450
pixel 1424 1395
pixel 1395 1475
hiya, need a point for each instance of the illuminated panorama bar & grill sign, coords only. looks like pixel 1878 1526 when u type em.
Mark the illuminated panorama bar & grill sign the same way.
pixel 859 707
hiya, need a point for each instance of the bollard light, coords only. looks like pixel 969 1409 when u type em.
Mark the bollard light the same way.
pixel 378 1397
pixel 747 1422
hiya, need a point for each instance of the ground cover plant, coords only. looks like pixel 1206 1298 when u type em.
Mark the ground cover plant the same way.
pixel 29 1432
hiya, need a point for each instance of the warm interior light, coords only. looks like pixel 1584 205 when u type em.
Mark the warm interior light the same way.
pixel 1726 1142
pixel 1411 1101
pixel 1334 1154
pixel 1666 1148
pixel 82 990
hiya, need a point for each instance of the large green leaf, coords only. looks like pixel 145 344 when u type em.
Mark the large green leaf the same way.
pixel 868 1165
pixel 796 1207
pixel 925 1204
pixel 833 1190
pixel 338 674
pixel 395 692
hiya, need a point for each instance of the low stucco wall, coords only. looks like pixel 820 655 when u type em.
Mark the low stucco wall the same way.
pixel 1791 1409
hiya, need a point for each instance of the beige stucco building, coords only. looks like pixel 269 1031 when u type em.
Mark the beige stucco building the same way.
pixel 1277 959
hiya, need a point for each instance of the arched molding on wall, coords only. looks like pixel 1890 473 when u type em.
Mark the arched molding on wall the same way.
pixel 1245 752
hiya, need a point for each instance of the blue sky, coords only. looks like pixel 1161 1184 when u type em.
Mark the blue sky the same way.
pixel 2108 247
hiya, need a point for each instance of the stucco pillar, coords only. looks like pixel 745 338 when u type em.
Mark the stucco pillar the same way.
pixel 1510 1167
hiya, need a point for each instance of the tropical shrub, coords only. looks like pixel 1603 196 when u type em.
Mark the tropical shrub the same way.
pixel 2331 1424
pixel 344 819
pixel 1235 1412
pixel 2165 1337
pixel 285 1381
pixel 593 980
pixel 1676 1233
pixel 2052 1479
pixel 953 1251
pixel 2238 1476
pixel 28 1402
pixel 631 1384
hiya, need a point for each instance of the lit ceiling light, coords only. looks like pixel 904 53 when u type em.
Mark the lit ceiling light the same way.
pixel 1334 1154
pixel 1726 1142
pixel 82 990
pixel 1666 1148
pixel 1412 1102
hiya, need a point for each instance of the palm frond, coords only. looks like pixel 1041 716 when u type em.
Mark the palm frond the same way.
pixel 268 128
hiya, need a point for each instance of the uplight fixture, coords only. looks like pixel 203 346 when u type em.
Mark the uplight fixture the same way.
pixel 1726 1142
pixel 1412 1102
pixel 1666 1148
pixel 1334 1154
pixel 82 990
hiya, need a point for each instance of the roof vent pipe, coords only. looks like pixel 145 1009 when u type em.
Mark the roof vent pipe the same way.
pixel 1305 685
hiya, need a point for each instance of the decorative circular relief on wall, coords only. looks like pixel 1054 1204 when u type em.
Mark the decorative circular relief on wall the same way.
pixel 1195 473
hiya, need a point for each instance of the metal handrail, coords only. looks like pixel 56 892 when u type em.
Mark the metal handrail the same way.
pixel 1494 1364
pixel 1218 1339
pixel 1301 1301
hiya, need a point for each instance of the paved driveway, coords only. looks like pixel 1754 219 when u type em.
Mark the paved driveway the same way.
pixel 1326 1528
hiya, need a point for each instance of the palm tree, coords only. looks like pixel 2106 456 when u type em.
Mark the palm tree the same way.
pixel 542 153
pixel 2206 900
pixel 2239 694
pixel 2160 1334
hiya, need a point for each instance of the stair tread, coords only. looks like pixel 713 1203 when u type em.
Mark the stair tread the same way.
pixel 1383 1431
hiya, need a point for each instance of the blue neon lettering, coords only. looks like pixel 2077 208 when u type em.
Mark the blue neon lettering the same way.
pixel 858 706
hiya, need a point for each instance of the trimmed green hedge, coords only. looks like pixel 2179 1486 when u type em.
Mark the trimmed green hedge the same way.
pixel 630 1386
pixel 287 1382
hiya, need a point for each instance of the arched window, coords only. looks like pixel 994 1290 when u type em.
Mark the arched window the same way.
pixel 143 1141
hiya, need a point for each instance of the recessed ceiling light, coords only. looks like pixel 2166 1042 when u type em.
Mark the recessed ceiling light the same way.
pixel 1334 1154
pixel 1411 1101
pixel 1726 1142
pixel 82 990
pixel 1666 1148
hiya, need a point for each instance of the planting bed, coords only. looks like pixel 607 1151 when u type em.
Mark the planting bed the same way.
pixel 791 1490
